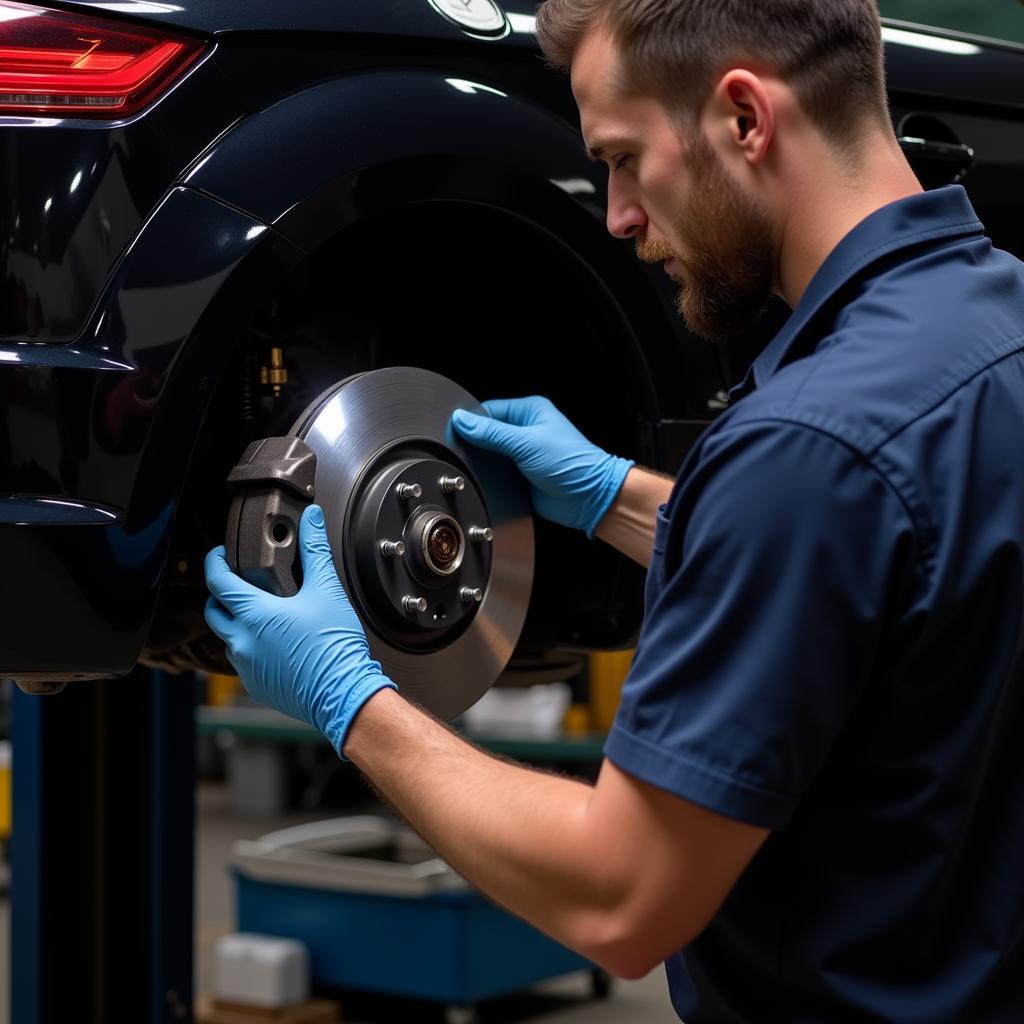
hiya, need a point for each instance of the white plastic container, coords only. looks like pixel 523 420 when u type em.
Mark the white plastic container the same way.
pixel 532 712
pixel 260 970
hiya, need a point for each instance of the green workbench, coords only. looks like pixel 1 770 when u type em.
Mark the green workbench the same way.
pixel 266 725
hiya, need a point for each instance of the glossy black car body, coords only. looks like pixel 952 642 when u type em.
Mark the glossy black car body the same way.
pixel 358 185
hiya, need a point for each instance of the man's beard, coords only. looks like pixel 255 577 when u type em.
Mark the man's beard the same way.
pixel 728 266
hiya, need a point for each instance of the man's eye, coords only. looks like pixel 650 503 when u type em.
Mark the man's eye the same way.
pixel 620 162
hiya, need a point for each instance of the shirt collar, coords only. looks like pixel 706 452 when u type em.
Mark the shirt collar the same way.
pixel 923 217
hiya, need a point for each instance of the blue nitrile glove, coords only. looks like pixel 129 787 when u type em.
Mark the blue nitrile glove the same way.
pixel 305 655
pixel 573 482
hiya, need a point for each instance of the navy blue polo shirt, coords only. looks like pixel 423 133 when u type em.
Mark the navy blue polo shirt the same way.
pixel 833 645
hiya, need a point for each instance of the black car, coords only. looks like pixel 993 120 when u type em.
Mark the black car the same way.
pixel 213 209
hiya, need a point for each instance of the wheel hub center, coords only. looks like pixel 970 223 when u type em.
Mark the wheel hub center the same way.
pixel 443 545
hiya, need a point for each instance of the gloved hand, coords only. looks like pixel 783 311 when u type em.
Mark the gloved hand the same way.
pixel 573 482
pixel 305 655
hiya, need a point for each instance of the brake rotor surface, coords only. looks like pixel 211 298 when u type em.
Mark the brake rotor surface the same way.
pixel 432 537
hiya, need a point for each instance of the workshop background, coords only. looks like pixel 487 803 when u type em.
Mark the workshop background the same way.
pixel 290 841
pixel 260 773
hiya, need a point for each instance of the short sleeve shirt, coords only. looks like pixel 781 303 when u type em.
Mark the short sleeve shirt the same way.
pixel 833 638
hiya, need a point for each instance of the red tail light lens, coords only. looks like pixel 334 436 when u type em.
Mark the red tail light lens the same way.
pixel 58 63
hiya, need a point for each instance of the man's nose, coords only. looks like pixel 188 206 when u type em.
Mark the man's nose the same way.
pixel 626 217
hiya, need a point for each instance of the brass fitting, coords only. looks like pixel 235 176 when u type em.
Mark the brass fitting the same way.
pixel 276 375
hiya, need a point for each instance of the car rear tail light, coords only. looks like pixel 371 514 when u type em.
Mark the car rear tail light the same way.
pixel 59 63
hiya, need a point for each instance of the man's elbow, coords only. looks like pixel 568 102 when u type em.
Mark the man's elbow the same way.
pixel 628 966
pixel 632 948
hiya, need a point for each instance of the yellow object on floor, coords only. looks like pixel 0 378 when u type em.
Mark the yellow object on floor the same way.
pixel 5 789
pixel 222 690
pixel 608 671
pixel 577 720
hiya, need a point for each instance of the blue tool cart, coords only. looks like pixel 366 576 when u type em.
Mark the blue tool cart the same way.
pixel 380 912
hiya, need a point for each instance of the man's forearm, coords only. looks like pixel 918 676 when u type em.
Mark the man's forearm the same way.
pixel 519 835
pixel 629 523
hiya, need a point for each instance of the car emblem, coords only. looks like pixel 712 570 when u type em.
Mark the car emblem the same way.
pixel 482 18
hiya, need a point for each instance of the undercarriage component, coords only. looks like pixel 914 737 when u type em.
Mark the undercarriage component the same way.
pixel 433 539
pixel 39 688
pixel 276 374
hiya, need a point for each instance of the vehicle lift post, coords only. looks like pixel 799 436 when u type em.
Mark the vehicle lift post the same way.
pixel 102 852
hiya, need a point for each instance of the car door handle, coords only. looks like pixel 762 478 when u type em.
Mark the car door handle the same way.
pixel 953 153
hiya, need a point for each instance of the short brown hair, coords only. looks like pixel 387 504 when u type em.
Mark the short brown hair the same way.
pixel 829 51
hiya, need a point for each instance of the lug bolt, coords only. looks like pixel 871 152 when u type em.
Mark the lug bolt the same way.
pixel 471 595
pixel 452 483
pixel 481 533
pixel 410 491
pixel 392 548
pixel 414 604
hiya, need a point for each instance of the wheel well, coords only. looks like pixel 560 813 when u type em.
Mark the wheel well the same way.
pixel 464 290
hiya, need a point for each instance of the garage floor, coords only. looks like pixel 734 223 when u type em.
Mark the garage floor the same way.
pixel 565 1001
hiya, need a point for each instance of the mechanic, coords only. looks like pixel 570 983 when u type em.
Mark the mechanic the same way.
pixel 810 805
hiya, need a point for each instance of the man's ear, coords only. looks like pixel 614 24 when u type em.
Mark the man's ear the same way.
pixel 742 114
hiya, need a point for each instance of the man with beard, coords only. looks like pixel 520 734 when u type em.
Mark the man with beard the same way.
pixel 810 802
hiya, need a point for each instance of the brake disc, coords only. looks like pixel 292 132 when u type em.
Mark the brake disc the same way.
pixel 432 538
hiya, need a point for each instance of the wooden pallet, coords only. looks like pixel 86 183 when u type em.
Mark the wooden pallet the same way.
pixel 218 1011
